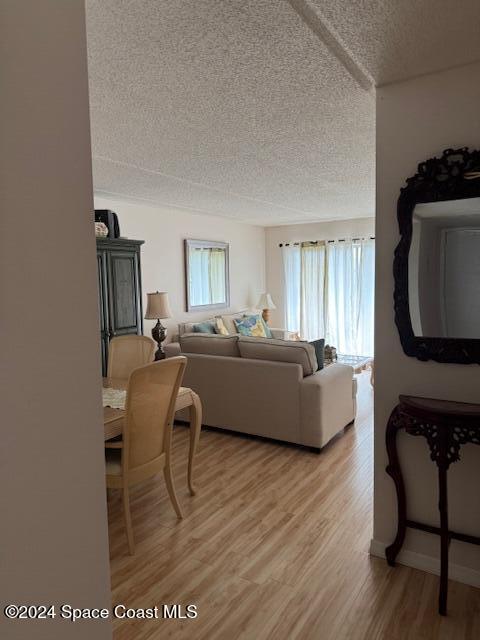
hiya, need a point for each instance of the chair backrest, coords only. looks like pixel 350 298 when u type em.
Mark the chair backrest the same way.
pixel 150 408
pixel 126 353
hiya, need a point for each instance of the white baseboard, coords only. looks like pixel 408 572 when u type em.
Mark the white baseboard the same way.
pixel 429 564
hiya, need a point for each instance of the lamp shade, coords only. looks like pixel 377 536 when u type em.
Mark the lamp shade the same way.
pixel 265 302
pixel 158 306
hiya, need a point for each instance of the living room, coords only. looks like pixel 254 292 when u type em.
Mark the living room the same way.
pixel 283 133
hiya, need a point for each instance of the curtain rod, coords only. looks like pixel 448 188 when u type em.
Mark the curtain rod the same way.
pixel 310 242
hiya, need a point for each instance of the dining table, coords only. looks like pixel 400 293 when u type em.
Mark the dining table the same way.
pixel 113 419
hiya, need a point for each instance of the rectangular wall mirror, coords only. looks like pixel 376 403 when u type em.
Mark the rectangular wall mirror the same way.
pixel 207 275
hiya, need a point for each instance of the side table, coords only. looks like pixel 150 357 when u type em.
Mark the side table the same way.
pixel 446 426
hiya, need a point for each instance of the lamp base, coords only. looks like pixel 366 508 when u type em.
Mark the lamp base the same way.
pixel 266 315
pixel 159 333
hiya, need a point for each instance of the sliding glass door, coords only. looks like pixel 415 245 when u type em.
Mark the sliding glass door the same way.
pixel 329 291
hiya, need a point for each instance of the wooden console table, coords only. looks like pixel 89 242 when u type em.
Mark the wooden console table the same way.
pixel 446 426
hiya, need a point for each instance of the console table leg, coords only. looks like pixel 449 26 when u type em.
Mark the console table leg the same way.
pixel 394 470
pixel 444 540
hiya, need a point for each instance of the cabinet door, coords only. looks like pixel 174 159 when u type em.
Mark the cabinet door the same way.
pixel 103 308
pixel 125 315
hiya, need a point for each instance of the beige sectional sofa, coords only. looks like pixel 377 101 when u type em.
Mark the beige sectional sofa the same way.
pixel 267 387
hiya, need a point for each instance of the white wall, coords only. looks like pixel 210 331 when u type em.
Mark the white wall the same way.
pixel 354 228
pixel 416 120
pixel 54 546
pixel 164 231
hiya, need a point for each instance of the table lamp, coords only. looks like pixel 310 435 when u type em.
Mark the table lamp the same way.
pixel 266 303
pixel 158 307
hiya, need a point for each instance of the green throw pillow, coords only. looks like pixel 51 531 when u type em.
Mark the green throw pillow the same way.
pixel 319 346
pixel 204 327
pixel 268 333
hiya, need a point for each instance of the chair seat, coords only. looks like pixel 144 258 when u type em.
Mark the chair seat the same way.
pixel 113 462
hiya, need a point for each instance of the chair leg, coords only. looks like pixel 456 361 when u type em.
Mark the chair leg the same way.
pixel 195 428
pixel 128 521
pixel 167 473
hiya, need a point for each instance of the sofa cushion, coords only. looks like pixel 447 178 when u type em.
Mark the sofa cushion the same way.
pixel 209 344
pixel 301 353
pixel 251 326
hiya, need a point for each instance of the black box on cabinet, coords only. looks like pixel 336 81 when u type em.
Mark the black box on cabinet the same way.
pixel 110 220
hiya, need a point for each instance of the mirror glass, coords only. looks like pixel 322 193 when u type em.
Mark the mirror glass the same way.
pixel 206 274
pixel 444 269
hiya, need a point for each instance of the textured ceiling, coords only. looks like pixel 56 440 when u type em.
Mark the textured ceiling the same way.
pixel 251 109
pixel 399 39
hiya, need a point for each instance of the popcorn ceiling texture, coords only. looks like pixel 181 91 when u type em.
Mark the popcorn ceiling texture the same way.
pixel 237 108
pixel 400 39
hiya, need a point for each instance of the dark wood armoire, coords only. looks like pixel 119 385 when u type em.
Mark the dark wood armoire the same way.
pixel 120 290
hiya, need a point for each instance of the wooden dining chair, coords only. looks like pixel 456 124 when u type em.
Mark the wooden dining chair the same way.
pixel 126 353
pixel 145 447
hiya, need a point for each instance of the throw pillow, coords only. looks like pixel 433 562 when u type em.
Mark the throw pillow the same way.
pixel 220 327
pixel 229 321
pixel 204 327
pixel 251 326
pixel 319 346
pixel 268 332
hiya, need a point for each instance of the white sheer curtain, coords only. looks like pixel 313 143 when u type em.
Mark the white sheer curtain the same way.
pixel 312 313
pixel 329 290
pixel 217 276
pixel 350 286
pixel 199 276
pixel 292 271
pixel 207 276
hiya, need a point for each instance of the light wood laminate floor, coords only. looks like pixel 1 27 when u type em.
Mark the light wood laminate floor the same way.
pixel 275 546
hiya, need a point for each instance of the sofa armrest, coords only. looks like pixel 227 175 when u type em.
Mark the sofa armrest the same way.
pixel 330 374
pixel 327 403
pixel 283 334
pixel 172 349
